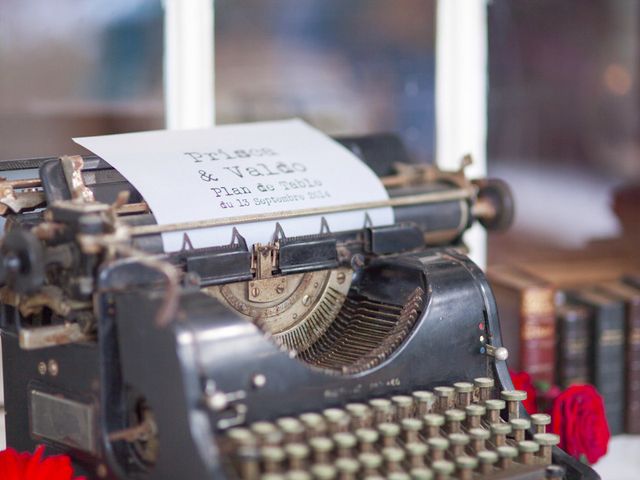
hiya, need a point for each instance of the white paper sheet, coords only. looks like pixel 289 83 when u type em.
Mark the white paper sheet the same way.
pixel 237 170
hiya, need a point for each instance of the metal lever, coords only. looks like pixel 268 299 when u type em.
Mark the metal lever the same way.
pixel 499 353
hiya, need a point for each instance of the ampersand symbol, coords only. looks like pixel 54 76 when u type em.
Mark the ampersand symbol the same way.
pixel 206 177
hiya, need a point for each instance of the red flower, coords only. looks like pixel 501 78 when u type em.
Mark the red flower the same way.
pixel 522 381
pixel 24 466
pixel 578 416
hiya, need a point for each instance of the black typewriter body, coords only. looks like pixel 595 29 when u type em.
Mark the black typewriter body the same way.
pixel 137 377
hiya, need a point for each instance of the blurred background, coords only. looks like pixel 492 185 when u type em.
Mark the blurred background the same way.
pixel 563 99
pixel 563 102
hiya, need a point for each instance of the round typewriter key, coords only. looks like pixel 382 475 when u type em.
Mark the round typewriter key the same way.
pixel 345 442
pixel 487 459
pixel 337 420
pixel 474 415
pixel 347 468
pixel 403 406
pixel 411 428
pixel 288 423
pixel 540 422
pixel 272 476
pixel 421 474
pixel 465 466
pixel 370 462
pixel 241 436
pixel 360 415
pixel 442 469
pixel 485 386
pixel 292 429
pixel 478 438
pixel 506 453
pixel 272 458
pixel 416 452
pixel 484 382
pixel 445 398
pixel 382 410
pixel 423 401
pixel 519 427
pixel 314 423
pixel 513 399
pixel 458 441
pixel 527 448
pixel 464 392
pixel 393 457
pixel 323 472
pixel 437 447
pixel 297 475
pixel 356 409
pixel 263 428
pixel 546 442
pixel 249 459
pixel 367 437
pixel 267 433
pixel 334 414
pixel 499 432
pixel 454 418
pixel 321 447
pixel 494 407
pixel 432 423
pixel 513 395
pixel 546 438
pixel 297 454
pixel 389 433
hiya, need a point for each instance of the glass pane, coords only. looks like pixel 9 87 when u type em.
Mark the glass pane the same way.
pixel 564 118
pixel 354 67
pixel 72 68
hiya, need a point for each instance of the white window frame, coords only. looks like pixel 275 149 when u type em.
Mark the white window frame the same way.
pixel 461 82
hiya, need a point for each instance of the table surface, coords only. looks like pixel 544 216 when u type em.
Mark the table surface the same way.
pixel 622 462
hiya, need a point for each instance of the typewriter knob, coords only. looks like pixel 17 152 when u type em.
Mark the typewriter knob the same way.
pixel 499 353
pixel 494 207
pixel 21 262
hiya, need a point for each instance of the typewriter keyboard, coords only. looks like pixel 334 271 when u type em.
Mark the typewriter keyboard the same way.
pixel 451 432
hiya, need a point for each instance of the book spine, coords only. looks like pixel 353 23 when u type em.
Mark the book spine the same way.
pixel 632 417
pixel 573 351
pixel 608 357
pixel 538 334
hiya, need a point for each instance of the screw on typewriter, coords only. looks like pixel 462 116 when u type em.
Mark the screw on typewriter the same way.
pixel 374 352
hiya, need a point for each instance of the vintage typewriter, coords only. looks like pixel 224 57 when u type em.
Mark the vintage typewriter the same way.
pixel 373 353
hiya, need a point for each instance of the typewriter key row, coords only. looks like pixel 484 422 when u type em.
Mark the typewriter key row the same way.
pixel 452 432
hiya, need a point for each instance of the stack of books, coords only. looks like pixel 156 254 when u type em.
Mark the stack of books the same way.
pixel 564 336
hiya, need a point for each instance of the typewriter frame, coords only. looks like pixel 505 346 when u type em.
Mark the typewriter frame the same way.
pixel 226 369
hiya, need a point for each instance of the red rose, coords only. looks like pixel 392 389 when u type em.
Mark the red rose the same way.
pixel 24 466
pixel 522 381
pixel 578 416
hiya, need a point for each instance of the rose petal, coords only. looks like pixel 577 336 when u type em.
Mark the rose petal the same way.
pixel 25 466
